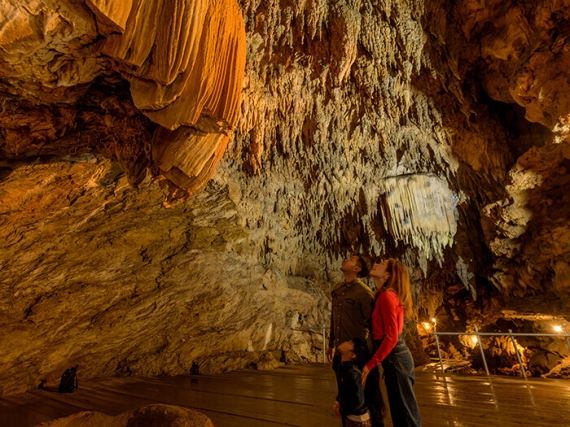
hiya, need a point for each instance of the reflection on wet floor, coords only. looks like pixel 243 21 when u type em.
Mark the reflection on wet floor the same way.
pixel 506 401
pixel 302 396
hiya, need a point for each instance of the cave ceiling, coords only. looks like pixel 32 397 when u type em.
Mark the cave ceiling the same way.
pixel 179 179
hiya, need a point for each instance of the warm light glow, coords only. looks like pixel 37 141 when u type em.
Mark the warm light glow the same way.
pixel 557 328
pixel 474 339
pixel 426 325
pixel 433 319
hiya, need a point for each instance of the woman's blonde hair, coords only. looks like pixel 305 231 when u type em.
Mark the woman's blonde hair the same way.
pixel 399 282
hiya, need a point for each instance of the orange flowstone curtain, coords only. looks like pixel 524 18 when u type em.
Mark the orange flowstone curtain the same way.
pixel 185 60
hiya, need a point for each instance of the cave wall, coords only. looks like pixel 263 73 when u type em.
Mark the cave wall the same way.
pixel 372 126
pixel 98 274
pixel 517 52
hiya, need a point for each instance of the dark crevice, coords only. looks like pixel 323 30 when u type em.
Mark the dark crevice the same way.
pixel 525 134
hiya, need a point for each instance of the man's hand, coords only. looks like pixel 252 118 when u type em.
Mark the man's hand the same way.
pixel 365 373
pixel 337 409
pixel 330 354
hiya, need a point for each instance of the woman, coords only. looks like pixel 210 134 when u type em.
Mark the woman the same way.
pixel 392 301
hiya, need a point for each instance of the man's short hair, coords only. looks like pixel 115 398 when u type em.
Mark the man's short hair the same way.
pixel 364 264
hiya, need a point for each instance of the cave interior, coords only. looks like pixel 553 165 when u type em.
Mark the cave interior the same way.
pixel 180 180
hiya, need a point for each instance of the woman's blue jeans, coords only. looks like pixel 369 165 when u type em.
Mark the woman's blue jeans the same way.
pixel 399 377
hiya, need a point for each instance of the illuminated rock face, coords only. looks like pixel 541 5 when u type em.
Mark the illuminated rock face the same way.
pixel 397 129
pixel 99 275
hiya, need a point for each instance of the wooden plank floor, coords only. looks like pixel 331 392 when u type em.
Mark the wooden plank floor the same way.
pixel 301 396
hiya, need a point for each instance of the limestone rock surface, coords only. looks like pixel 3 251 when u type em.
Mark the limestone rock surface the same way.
pixel 170 291
pixel 560 371
pixel 152 415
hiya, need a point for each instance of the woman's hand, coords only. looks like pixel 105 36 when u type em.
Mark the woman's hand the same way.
pixel 365 373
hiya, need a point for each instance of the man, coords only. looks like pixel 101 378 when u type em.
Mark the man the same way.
pixel 352 303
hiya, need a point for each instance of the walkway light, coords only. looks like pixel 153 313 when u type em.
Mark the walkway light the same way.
pixel 433 320
pixel 474 339
pixel 557 328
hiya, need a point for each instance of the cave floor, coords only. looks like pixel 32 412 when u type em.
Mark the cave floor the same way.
pixel 300 396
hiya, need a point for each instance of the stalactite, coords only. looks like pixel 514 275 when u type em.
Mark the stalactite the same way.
pixel 185 62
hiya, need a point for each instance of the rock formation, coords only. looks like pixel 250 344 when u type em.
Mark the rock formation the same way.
pixel 162 415
pixel 183 61
pixel 429 131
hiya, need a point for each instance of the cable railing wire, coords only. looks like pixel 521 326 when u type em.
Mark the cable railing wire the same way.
pixel 510 334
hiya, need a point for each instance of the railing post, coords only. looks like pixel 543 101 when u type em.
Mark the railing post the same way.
pixel 518 355
pixel 438 350
pixel 324 345
pixel 482 352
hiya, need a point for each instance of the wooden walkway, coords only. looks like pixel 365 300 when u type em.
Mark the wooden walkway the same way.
pixel 301 396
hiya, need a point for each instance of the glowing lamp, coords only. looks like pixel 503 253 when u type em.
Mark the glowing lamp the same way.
pixel 558 328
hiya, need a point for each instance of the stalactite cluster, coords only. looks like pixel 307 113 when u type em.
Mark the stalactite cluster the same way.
pixel 342 120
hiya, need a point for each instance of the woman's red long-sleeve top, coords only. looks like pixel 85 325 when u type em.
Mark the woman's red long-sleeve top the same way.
pixel 387 324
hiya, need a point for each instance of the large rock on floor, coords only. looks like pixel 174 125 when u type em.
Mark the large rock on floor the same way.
pixel 562 370
pixel 152 415
pixel 169 292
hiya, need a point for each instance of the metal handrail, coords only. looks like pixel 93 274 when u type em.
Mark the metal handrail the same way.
pixel 497 334
pixel 500 334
